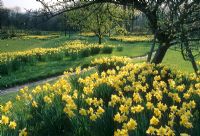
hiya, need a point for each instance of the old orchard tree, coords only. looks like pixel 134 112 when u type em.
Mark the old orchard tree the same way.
pixel 97 18
pixel 171 21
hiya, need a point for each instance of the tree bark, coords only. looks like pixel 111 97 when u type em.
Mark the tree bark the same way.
pixel 0 19
pixel 100 39
pixel 192 60
pixel 160 53
pixel 152 49
pixel 185 42
pixel 65 32
pixel 69 32
pixel 0 22
pixel 190 55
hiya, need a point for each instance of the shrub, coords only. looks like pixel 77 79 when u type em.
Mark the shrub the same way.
pixel 4 35
pixel 120 31
pixel 85 53
pixel 107 49
pixel 95 50
pixel 74 55
pixel 7 34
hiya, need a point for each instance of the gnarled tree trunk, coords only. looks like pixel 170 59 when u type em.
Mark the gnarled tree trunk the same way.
pixel 152 49
pixel 160 53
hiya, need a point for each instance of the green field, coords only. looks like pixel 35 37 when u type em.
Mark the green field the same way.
pixel 10 45
pixel 175 60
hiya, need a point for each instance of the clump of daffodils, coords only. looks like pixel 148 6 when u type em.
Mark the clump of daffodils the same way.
pixel 144 91
pixel 114 62
pixel 5 120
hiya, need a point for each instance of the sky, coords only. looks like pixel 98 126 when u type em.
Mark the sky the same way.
pixel 23 4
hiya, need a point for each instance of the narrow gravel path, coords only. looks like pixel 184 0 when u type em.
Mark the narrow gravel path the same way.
pixel 17 88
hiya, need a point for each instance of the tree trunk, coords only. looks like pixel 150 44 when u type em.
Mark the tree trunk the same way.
pixel 0 26
pixel 152 49
pixel 160 53
pixel 192 60
pixel 185 41
pixel 65 32
pixel 191 57
pixel 69 32
pixel 100 39
pixel 109 33
pixel 132 24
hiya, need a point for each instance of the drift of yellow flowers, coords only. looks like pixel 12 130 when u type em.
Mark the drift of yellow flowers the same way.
pixel 87 34
pixel 144 38
pixel 154 97
pixel 75 49
pixel 142 97
pixel 39 53
pixel 40 37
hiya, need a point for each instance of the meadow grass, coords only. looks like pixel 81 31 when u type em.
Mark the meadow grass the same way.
pixel 11 45
pixel 175 59
pixel 132 50
pixel 8 97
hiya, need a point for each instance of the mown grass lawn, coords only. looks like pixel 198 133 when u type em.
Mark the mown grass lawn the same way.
pixel 11 45
pixel 175 60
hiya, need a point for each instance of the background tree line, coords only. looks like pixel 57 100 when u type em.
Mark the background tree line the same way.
pixel 102 19
pixel 14 22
